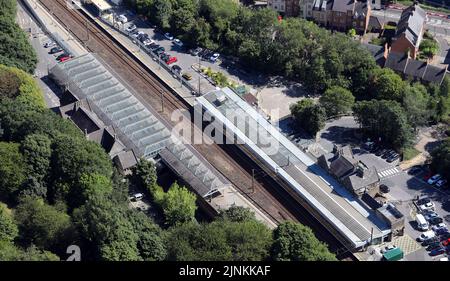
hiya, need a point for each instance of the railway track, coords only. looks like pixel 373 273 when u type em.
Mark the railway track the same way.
pixel 264 195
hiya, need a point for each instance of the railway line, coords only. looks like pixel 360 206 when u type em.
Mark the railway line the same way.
pixel 227 159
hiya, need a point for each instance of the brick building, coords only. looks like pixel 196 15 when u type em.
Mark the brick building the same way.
pixel 288 8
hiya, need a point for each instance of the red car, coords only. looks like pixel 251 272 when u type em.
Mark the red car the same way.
pixel 171 60
pixel 446 242
pixel 63 59
pixel 427 176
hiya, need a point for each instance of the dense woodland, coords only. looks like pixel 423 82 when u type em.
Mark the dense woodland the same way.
pixel 59 189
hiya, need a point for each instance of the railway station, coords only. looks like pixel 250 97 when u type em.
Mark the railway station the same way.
pixel 355 225
pixel 100 6
pixel 134 124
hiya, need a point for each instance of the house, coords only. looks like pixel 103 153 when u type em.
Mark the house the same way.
pixel 288 8
pixel 409 31
pixel 361 16
pixel 320 11
pixel 341 14
pixel 356 176
pixel 414 69
pixel 394 219
pixel 379 53
pixel 306 8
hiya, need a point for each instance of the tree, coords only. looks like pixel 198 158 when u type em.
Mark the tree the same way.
pixel 441 159
pixel 104 224
pixel 15 49
pixel 337 100
pixel 415 103
pixel 162 12
pixel 41 224
pixel 12 170
pixel 237 214
pixel 309 116
pixel 8 228
pixel 36 149
pixel 295 242
pixel 150 244
pixel 88 186
pixel 178 205
pixel 386 84
pixel 9 252
pixel 386 120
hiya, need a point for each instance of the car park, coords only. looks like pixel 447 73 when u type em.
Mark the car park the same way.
pixel 137 33
pixel 178 42
pixel 61 56
pixel 381 152
pixel 439 226
pixel 444 236
pixel 154 47
pixel 387 153
pixel 423 201
pixel 446 242
pixel 442 231
pixel 393 157
pixel 131 28
pixel 427 176
pixel 422 224
pixel 148 42
pixel 437 251
pixel 168 36
pixel 434 179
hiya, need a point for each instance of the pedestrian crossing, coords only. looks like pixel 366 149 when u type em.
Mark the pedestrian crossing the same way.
pixel 389 172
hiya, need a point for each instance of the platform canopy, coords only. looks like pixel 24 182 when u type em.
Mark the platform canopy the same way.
pixel 102 5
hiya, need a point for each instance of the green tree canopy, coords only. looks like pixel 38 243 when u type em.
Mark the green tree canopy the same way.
pixel 309 116
pixel 441 159
pixel 337 100
pixel 386 84
pixel 237 214
pixel 8 228
pixel 295 242
pixel 178 205
pixel 12 170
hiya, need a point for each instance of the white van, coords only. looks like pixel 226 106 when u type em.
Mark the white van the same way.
pixel 422 223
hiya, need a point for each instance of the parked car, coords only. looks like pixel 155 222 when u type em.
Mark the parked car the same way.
pixel 428 241
pixel 439 226
pixel 131 27
pixel 168 36
pixel 49 44
pixel 187 76
pixel 137 196
pixel 176 69
pixel 171 60
pixel 55 50
pixel 434 179
pixel 388 248
pixel 440 183
pixel 154 47
pixel 66 58
pixel 381 152
pixel 433 246
pixel 427 176
pixel 387 153
pixel 137 33
pixel 214 57
pixel 437 251
pixel 393 157
pixel 148 42
pixel 178 42
pixel 143 37
pixel 426 235
pixel 423 201
pixel 196 51
pixel 122 18
pixel 427 206
pixel 446 242
pixel 444 236
pixel 61 56
pixel 436 221
pixel 442 231
pixel 384 188
pixel 415 170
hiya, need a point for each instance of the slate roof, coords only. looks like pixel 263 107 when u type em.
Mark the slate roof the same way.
pixel 396 61
pixel 361 9
pixel 377 52
pixel 343 5
pixel 416 68
pixel 411 24
pixel 359 180
pixel 435 74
